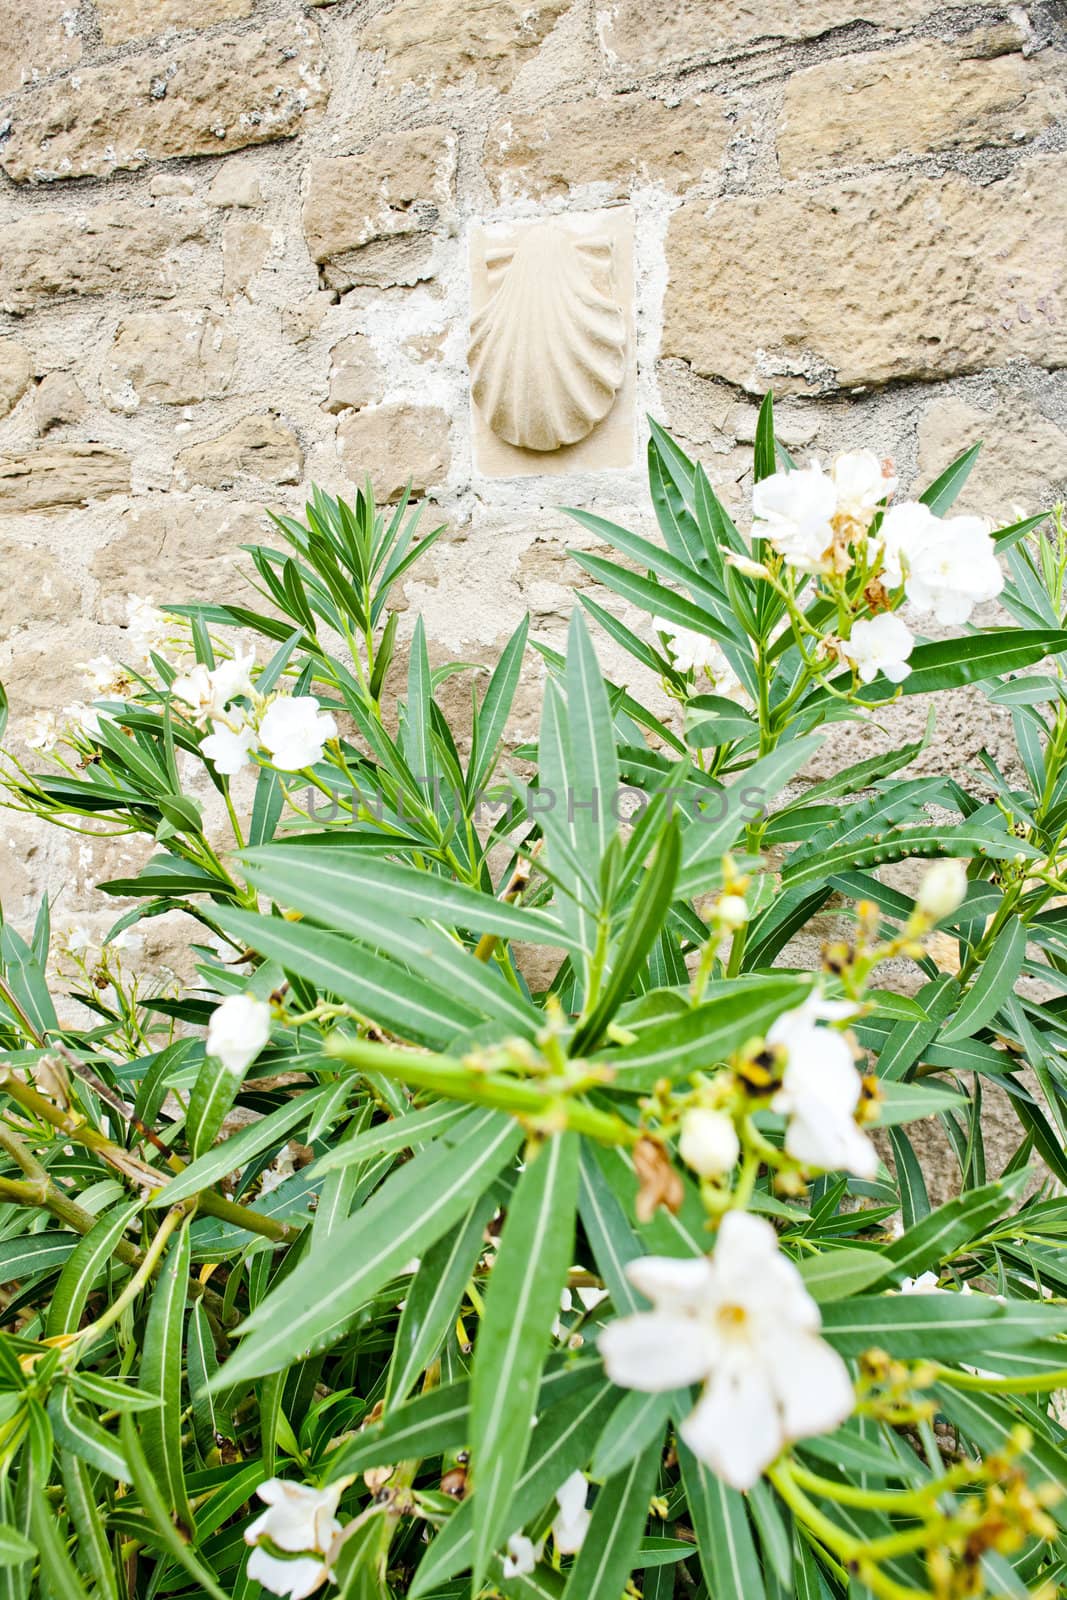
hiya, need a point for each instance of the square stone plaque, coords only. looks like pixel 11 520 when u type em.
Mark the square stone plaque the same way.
pixel 552 344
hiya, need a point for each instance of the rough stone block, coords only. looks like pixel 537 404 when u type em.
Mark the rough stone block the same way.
pixel 62 475
pixel 257 447
pixel 437 45
pixel 395 444
pixel 174 358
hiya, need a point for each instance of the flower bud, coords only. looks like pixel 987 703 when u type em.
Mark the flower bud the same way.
pixel 709 1142
pixel 943 889
pixel 731 911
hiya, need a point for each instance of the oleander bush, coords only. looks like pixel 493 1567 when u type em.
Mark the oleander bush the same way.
pixel 504 1207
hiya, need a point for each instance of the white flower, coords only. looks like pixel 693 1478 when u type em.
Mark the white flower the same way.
pixel 103 676
pixel 87 718
pixel 880 644
pixel 742 1321
pixel 820 1091
pixel 521 1558
pixel 745 565
pixel 925 1283
pixel 948 566
pixel 572 1520
pixel 227 747
pixel 147 626
pixel 955 570
pixel 795 510
pixel 238 1030
pixel 78 939
pixel 708 1142
pixel 294 730
pixel 731 911
pixel 943 889
pixel 692 652
pixel 43 732
pixel 232 678
pixel 196 690
pixel 861 485
pixel 298 1518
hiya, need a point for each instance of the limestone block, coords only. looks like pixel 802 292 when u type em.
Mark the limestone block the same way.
pixel 140 19
pixel 130 249
pixel 395 443
pixel 618 140
pixel 693 30
pixel 1022 462
pixel 437 46
pixel 62 475
pixel 259 447
pixel 16 370
pixel 36 589
pixel 176 547
pixel 921 97
pixel 356 378
pixel 38 39
pixel 245 247
pixel 201 98
pixel 872 279
pixel 57 399
pixel 174 358
pixel 400 185
pixel 235 184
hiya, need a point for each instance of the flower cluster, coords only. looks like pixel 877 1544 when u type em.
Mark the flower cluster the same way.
pixel 690 651
pixel 302 1522
pixel 290 728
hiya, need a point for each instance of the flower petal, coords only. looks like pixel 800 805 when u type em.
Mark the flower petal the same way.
pixel 812 1384
pixel 736 1429
pixel 654 1351
pixel 296 1579
pixel 678 1283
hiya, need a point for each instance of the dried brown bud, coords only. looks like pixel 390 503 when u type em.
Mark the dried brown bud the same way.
pixel 658 1183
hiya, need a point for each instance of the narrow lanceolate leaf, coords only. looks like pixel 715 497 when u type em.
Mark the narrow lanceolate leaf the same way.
pixel 996 980
pixel 59 1575
pixel 150 1492
pixel 699 1038
pixel 594 772
pixel 432 1302
pixel 834 1274
pixel 609 1552
pixel 85 1266
pixel 521 1304
pixel 951 1226
pixel 638 1420
pixel 943 1327
pixel 161 1373
pixel 899 843
pixel 234 1153
pixel 93 1550
pixel 410 1211
pixel 728 1556
pixel 211 1097
pixel 79 1432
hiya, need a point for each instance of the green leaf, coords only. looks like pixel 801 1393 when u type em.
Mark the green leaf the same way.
pixel 93 1551
pixel 432 1302
pixel 161 1373
pixel 944 1231
pixel 411 1210
pixel 594 768
pixel 899 843
pixel 942 1327
pixel 14 1546
pixel 521 1304
pixel 159 1514
pixel 60 1580
pixel 236 1152
pixel 765 461
pixel 997 977
pixel 75 1430
pixel 727 1550
pixel 637 1422
pixel 834 1274
pixel 609 1550
pixel 969 659
pixel 84 1267
pixel 944 489
pixel 711 720
pixel 211 1097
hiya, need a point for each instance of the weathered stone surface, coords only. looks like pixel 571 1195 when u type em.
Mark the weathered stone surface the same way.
pixel 174 548
pixel 130 249
pixel 693 30
pixel 16 370
pixel 36 589
pixel 245 245
pixel 1022 463
pixel 438 45
pixel 870 280
pixel 200 98
pixel 399 185
pixel 62 475
pixel 175 358
pixel 395 443
pixel 356 378
pixel 922 97
pixel 38 39
pixel 259 447
pixel 57 399
pixel 614 139
pixel 235 184
pixel 140 19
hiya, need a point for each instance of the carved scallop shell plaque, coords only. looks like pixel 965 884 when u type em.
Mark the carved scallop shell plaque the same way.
pixel 550 349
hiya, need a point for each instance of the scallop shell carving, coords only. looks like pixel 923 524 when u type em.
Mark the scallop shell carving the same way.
pixel 548 351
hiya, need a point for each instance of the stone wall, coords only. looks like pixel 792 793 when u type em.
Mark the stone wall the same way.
pixel 233 261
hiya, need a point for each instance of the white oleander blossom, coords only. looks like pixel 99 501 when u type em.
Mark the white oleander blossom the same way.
pixel 821 1090
pixel 572 1520
pixel 233 677
pixel 794 511
pixel 295 732
pixel 742 1322
pixel 861 483
pixel 104 676
pixel 947 565
pixel 238 1030
pixel 229 744
pixel 147 627
pixel 208 693
pixel 521 1557
pixel 44 731
pixel 692 652
pixel 300 1520
pixel 708 1142
pixel 880 644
